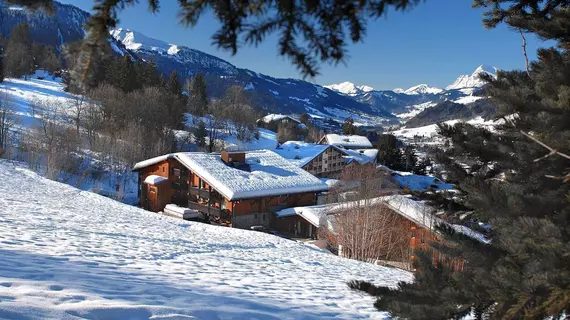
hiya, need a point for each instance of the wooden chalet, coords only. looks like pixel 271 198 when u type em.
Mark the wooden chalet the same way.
pixel 240 189
pixel 412 219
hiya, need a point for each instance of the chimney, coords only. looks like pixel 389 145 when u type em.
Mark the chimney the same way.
pixel 233 158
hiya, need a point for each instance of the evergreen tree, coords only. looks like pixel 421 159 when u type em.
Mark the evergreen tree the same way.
pixel 161 81
pixel 522 273
pixel 410 160
pixel 122 74
pixel 148 74
pixel 198 97
pixel 18 58
pixel 305 119
pixel 173 85
pixel 2 72
pixel 348 127
pixel 200 135
pixel 389 153
pixel 46 58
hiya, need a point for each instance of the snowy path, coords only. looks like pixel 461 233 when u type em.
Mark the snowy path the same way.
pixel 70 254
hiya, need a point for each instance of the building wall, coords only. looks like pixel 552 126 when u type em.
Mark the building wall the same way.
pixel 295 226
pixel 252 212
pixel 327 163
pixel 159 169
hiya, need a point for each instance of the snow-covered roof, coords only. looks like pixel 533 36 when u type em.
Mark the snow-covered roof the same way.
pixel 348 141
pixel 269 174
pixel 276 117
pixel 154 179
pixel 300 153
pixel 361 156
pixel 415 211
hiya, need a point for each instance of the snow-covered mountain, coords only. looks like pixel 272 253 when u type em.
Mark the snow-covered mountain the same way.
pixel 411 102
pixel 273 94
pixel 472 81
pixel 349 88
pixel 422 89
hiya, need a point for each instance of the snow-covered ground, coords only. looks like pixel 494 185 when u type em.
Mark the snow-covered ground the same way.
pixel 70 254
pixel 416 182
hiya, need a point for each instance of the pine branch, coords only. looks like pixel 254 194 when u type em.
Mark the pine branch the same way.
pixel 524 52
pixel 552 152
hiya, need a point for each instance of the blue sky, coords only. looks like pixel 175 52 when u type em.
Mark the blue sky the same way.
pixel 433 43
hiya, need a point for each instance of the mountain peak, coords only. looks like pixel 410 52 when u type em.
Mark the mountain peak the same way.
pixel 349 88
pixel 422 89
pixel 484 68
pixel 135 41
pixel 473 80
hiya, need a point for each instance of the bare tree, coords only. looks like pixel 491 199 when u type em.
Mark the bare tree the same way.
pixel 53 141
pixel 77 106
pixel 364 226
pixel 7 121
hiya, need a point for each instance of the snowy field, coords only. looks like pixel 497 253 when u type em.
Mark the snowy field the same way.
pixel 71 254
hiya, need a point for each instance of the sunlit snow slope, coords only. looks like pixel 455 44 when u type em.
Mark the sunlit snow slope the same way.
pixel 71 254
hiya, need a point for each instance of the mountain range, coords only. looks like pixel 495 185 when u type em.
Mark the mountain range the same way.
pixel 368 106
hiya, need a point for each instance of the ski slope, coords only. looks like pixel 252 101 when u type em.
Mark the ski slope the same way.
pixel 71 254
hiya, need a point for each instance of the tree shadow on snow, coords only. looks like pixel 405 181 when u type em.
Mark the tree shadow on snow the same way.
pixel 130 294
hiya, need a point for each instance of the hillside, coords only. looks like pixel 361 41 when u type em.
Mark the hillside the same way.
pixel 272 94
pixel 449 110
pixel 69 254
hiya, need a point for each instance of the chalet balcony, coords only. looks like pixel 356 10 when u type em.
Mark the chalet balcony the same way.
pixel 204 208
pixel 204 193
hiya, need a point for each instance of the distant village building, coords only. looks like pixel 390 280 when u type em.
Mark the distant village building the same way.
pixel 274 121
pixel 349 142
pixel 325 161
pixel 240 189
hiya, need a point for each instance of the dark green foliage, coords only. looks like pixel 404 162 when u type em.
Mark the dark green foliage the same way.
pixel 2 71
pixel 200 135
pixel 122 74
pixel 523 273
pixel 198 97
pixel 390 152
pixel 148 74
pixel 99 73
pixel 348 127
pixel 18 55
pixel 173 85
pixel 46 58
pixel 410 158
pixel 434 295
pixel 305 119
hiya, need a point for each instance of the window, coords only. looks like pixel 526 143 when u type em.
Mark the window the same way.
pixel 223 203
pixel 152 190
pixel 255 215
pixel 263 217
pixel 176 172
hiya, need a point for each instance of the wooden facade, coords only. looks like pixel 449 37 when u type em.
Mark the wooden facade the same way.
pixel 187 189
pixel 328 164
